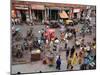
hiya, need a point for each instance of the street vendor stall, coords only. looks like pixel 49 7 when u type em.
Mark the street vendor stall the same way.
pixel 35 55
pixel 50 58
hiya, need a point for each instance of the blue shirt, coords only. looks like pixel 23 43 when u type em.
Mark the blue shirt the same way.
pixel 86 61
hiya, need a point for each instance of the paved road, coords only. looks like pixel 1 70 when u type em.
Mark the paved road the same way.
pixel 35 66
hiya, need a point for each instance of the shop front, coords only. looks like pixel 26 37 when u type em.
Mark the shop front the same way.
pixel 22 12
pixel 76 13
pixel 38 12
pixel 52 12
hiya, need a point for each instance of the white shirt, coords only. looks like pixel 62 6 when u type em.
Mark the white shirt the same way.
pixel 66 41
pixel 66 35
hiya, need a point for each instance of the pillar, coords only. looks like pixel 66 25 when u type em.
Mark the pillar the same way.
pixel 30 13
pixel 45 18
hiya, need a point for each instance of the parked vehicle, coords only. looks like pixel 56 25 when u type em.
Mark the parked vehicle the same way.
pixel 65 18
pixel 69 22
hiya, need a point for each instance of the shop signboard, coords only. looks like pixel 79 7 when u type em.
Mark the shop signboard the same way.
pixel 76 10
pixel 37 7
pixel 24 7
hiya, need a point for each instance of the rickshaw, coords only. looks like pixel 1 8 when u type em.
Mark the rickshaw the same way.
pixel 65 18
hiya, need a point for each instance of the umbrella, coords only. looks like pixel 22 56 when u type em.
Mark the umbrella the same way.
pixel 51 30
pixel 17 29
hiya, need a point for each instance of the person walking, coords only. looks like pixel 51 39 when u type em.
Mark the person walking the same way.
pixel 75 59
pixel 66 43
pixel 69 65
pixel 85 63
pixel 72 50
pixel 74 32
pixel 58 63
pixel 67 52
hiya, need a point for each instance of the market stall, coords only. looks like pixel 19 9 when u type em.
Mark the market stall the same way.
pixel 35 55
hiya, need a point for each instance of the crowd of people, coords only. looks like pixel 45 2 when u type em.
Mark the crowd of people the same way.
pixel 82 53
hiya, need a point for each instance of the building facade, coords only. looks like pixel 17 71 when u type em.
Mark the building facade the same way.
pixel 45 11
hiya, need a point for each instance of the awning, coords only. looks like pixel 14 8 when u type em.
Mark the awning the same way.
pixel 51 30
pixel 63 14
pixel 54 8
pixel 38 7
pixel 76 10
pixel 21 8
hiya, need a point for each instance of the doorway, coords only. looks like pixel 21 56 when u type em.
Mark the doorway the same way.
pixel 23 16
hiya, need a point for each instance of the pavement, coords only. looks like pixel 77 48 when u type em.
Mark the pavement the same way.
pixel 38 66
